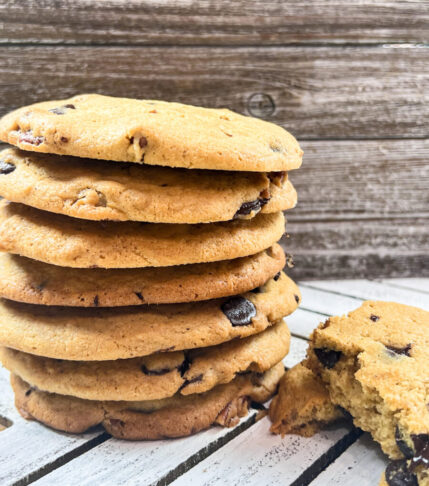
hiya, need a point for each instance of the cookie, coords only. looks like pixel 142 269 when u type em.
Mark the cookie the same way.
pixel 100 190
pixel 153 132
pixel 70 242
pixel 302 405
pixel 98 334
pixel 375 365
pixel 152 377
pixel 177 416
pixel 33 282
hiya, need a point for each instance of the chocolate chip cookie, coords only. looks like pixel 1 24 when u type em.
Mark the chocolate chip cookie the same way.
pixel 71 242
pixel 375 364
pixel 155 376
pixel 97 334
pixel 33 282
pixel 176 416
pixel 101 190
pixel 151 132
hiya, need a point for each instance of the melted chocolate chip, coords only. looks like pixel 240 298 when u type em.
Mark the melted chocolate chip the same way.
pixel 70 106
pixel 257 406
pixel 328 357
pixel 28 137
pixel 96 301
pixel 239 311
pixel 248 207
pixel 184 367
pixel 142 142
pixel 421 447
pixel 28 392
pixel 276 276
pixel 374 318
pixel 140 296
pixel 162 371
pixel 296 298
pixel 398 474
pixel 277 178
pixel 402 445
pixel 64 139
pixel 392 350
pixel 6 167
pixel 41 285
pixel 197 379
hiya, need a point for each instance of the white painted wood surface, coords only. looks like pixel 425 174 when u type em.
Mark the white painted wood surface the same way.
pixel 247 454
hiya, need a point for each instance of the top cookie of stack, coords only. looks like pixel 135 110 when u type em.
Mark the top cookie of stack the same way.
pixel 75 236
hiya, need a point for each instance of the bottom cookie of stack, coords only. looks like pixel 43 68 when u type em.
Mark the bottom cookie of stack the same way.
pixel 176 416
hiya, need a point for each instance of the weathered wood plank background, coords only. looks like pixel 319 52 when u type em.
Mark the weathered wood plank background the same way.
pixel 349 79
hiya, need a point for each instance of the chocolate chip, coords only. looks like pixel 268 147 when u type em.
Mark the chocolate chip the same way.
pixel 197 379
pixel 142 142
pixel 162 371
pixel 328 357
pixel 6 167
pixel 421 447
pixel 239 311
pixel 62 109
pixel 398 474
pixel 257 406
pixel 276 276
pixel 277 178
pixel 184 366
pixel 296 298
pixel 248 207
pixel 96 301
pixel 28 392
pixel 140 296
pixel 41 285
pixel 374 318
pixel 28 137
pixel 392 350
pixel 64 139
pixel 402 445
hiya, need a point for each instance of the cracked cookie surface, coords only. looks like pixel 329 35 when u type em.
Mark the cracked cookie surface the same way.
pixel 156 376
pixel 71 242
pixel 153 132
pixel 375 365
pixel 102 190
pixel 97 334
pixel 33 282
pixel 177 416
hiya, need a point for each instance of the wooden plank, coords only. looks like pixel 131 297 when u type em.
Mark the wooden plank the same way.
pixel 302 322
pixel 362 464
pixel 322 92
pixel 256 457
pixel 368 290
pixel 335 249
pixel 8 412
pixel 362 180
pixel 419 284
pixel 297 352
pixel 209 22
pixel 325 302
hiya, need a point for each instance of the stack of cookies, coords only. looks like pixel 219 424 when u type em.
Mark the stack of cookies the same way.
pixel 141 279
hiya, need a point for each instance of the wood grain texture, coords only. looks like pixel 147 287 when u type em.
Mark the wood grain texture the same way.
pixel 318 92
pixel 212 22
